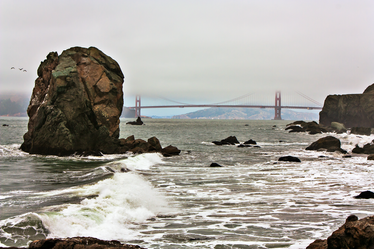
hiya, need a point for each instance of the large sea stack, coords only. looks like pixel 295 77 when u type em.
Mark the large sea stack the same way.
pixel 75 107
pixel 76 103
pixel 353 110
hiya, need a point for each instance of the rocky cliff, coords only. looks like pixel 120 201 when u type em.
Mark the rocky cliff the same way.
pixel 353 110
pixel 75 107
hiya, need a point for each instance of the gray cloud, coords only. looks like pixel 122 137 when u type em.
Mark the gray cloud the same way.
pixel 213 50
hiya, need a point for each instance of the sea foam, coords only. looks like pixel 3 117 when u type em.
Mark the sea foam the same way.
pixel 122 202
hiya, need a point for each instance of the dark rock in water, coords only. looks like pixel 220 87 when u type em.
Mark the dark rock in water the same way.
pixel 215 165
pixel 370 157
pixel 361 130
pixel 170 151
pixel 289 159
pixel 137 122
pixel 250 141
pixel 354 233
pixel 231 140
pixel 347 156
pixel 75 107
pixel 244 145
pixel 367 149
pixel 329 143
pixel 353 110
pixel 5 125
pixel 79 243
pixel 365 195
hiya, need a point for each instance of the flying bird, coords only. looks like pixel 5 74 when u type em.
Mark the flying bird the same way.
pixel 12 68
pixel 25 71
pixel 20 68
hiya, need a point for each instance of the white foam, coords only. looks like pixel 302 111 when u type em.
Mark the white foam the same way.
pixel 124 200
pixel 141 162
pixel 12 150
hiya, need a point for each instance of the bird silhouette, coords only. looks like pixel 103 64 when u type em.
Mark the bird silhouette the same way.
pixel 12 68
pixel 25 71
pixel 20 68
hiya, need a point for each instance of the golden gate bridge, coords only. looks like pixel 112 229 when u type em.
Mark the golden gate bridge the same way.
pixel 277 105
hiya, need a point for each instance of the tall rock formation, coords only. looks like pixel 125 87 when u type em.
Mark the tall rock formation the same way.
pixel 353 110
pixel 75 107
pixel 76 103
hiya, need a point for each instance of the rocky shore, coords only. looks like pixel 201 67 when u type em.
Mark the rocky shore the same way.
pixel 76 243
pixel 354 233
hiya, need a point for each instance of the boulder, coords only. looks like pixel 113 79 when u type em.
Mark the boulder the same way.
pixel 215 165
pixel 338 127
pixel 250 141
pixel 329 143
pixel 170 151
pixel 365 195
pixel 289 159
pixel 231 140
pixel 354 233
pixel 370 157
pixel 353 110
pixel 137 122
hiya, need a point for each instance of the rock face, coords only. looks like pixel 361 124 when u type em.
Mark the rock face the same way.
pixel 75 107
pixel 354 233
pixel 76 103
pixel 353 110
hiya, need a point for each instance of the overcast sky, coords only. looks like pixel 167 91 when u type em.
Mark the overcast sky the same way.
pixel 199 49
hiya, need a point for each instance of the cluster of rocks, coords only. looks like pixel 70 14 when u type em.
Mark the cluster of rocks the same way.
pixel 315 128
pixel 354 233
pixel 138 146
pixel 75 107
pixel 232 140
pixel 302 126
pixel 333 144
pixel 77 243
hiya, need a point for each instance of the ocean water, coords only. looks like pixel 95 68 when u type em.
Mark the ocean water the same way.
pixel 253 201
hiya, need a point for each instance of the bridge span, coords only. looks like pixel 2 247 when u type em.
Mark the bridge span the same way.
pixel 277 106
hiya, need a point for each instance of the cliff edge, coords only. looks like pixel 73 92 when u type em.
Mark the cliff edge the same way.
pixel 353 110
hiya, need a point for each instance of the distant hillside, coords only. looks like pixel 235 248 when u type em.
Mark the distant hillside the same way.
pixel 247 113
pixel 14 105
